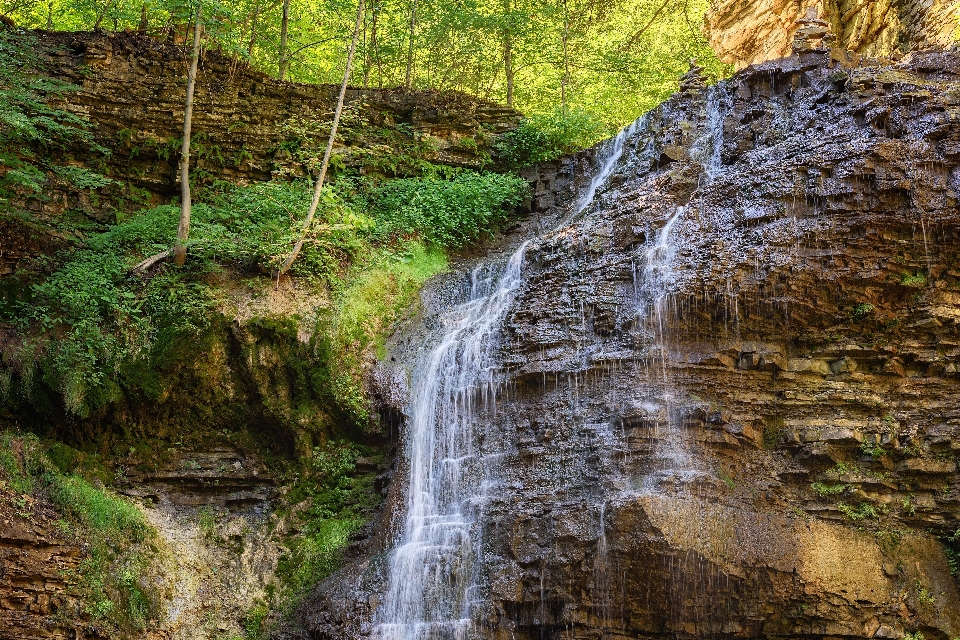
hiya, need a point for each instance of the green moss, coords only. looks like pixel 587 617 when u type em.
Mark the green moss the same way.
pixel 332 500
pixel 372 299
pixel 113 531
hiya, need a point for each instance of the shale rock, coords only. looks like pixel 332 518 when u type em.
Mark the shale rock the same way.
pixel 730 402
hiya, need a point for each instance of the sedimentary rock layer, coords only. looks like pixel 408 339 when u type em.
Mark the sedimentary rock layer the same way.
pixel 744 33
pixel 730 394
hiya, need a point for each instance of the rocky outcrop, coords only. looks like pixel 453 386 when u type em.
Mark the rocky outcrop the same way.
pixel 36 563
pixel 247 127
pixel 744 33
pixel 730 393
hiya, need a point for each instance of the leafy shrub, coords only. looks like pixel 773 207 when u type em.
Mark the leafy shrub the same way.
pixel 449 213
pixel 30 129
pixel 542 138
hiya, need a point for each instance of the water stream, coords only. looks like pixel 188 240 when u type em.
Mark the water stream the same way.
pixel 433 578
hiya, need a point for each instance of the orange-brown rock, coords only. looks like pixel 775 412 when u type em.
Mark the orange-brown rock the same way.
pixel 744 33
pixel 36 563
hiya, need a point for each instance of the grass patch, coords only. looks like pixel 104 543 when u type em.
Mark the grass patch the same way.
pixel 114 533
pixel 371 300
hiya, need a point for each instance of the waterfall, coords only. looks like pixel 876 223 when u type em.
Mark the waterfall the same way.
pixel 673 461
pixel 609 155
pixel 710 144
pixel 433 577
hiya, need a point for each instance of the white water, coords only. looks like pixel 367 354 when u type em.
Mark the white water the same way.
pixel 716 112
pixel 610 154
pixel 674 462
pixel 433 571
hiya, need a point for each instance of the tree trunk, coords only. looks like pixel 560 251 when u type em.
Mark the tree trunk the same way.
pixel 253 30
pixel 100 16
pixel 284 27
pixel 49 15
pixel 508 50
pixel 566 60
pixel 183 230
pixel 326 154
pixel 144 19
pixel 413 28
pixel 371 47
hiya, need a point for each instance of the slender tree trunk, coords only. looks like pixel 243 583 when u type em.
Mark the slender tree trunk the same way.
pixel 508 50
pixel 49 15
pixel 318 187
pixel 413 29
pixel 284 27
pixel 566 59
pixel 372 46
pixel 253 30
pixel 183 230
pixel 100 16
pixel 144 19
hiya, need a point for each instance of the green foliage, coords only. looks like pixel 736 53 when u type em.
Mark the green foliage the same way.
pixel 924 597
pixel 541 138
pixel 449 213
pixel 207 522
pixel 916 280
pixel 339 501
pixel 371 298
pixel 873 449
pixel 727 479
pixel 614 60
pixel 951 548
pixel 861 311
pixel 861 512
pixel 113 531
pixel 94 330
pixel 31 131
pixel 824 490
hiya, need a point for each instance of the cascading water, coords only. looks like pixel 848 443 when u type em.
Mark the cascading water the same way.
pixel 433 571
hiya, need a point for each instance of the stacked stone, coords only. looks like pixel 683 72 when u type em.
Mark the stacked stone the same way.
pixel 693 81
pixel 813 34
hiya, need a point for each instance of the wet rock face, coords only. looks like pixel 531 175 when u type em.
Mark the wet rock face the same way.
pixel 730 387
pixel 735 436
pixel 744 33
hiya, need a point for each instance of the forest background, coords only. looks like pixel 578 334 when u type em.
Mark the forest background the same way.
pixel 594 64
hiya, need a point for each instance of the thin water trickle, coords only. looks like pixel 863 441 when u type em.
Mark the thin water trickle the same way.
pixel 610 157
pixel 433 571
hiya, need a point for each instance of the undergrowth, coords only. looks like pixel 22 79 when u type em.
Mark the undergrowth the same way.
pixel 92 324
pixel 115 535
pixel 32 132
pixel 546 137
pixel 331 500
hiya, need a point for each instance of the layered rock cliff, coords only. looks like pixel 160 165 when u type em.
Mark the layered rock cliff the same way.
pixel 247 127
pixel 727 390
pixel 744 33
